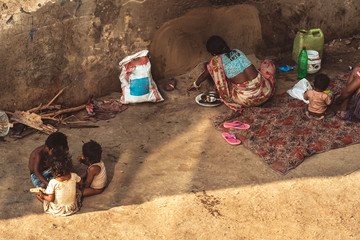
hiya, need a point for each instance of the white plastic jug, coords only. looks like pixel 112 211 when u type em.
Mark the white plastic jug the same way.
pixel 314 61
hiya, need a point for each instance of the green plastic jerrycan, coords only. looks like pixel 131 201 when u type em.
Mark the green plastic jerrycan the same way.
pixel 313 39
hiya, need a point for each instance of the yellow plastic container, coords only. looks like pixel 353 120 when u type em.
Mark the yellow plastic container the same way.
pixel 313 39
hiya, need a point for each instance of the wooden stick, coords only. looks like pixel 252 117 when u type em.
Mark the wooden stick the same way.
pixel 47 106
pixel 55 97
pixel 71 116
pixel 54 114
pixel 76 122
pixel 35 108
pixel 50 118
pixel 40 108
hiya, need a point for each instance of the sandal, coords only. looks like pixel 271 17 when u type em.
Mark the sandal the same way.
pixel 231 138
pixel 237 125
pixel 171 84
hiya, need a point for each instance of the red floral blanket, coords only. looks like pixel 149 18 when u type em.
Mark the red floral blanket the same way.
pixel 283 136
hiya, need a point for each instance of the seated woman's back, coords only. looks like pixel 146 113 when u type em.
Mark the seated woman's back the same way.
pixel 237 67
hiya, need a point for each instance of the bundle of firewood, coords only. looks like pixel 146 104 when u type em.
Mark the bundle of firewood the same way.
pixel 56 114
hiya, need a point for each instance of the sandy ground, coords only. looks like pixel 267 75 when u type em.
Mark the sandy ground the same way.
pixel 172 176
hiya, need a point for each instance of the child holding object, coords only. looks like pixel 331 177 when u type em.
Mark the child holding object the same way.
pixel 39 158
pixel 93 181
pixel 60 197
pixel 318 100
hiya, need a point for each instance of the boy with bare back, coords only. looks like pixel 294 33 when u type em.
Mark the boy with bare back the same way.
pixel 39 162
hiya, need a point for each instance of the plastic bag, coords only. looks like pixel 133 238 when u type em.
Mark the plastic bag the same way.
pixel 286 68
pixel 297 91
pixel 136 80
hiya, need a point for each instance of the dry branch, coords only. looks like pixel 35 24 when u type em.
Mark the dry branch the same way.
pixel 52 100
pixel 47 106
pixel 77 122
pixel 50 118
pixel 34 120
pixel 71 116
pixel 40 108
pixel 35 108
pixel 68 110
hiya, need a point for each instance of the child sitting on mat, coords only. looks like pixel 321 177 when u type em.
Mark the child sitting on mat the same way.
pixel 318 100
pixel 60 197
pixel 93 181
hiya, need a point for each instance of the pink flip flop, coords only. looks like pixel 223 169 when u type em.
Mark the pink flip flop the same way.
pixel 231 138
pixel 237 125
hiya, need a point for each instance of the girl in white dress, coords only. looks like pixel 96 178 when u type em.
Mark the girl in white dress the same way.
pixel 60 197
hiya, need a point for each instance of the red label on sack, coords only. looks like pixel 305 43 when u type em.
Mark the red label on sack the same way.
pixel 136 62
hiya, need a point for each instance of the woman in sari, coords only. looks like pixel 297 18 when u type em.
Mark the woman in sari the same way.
pixel 347 101
pixel 237 81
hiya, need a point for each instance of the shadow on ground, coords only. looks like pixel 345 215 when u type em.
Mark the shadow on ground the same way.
pixel 154 150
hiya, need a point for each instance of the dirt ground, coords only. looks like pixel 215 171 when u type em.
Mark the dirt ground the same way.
pixel 172 176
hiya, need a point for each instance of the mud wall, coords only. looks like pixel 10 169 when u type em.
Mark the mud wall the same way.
pixel 50 44
pixel 185 37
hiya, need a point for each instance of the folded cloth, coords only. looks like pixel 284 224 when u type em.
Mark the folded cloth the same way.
pixel 103 109
pixel 354 112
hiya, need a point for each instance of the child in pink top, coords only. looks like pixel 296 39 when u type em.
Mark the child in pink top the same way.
pixel 318 100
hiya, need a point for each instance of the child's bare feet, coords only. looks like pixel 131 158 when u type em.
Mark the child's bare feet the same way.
pixel 341 114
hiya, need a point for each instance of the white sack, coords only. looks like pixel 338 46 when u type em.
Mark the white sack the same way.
pixel 136 80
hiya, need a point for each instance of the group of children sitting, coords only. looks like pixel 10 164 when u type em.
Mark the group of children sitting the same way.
pixel 51 171
pixel 51 165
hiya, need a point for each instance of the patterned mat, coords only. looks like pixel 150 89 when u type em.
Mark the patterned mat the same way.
pixel 283 136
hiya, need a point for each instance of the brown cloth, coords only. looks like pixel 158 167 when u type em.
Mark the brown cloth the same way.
pixel 103 109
